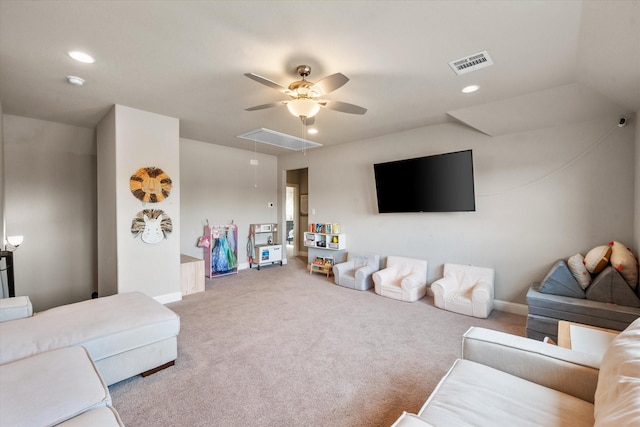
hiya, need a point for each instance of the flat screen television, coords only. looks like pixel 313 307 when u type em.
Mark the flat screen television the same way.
pixel 439 183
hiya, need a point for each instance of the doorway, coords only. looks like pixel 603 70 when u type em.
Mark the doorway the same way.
pixel 296 215
pixel 291 219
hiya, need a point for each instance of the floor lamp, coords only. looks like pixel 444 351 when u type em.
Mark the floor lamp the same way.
pixel 12 244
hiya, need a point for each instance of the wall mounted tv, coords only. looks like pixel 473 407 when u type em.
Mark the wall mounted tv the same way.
pixel 439 183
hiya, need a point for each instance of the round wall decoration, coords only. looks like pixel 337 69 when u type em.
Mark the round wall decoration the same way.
pixel 150 184
pixel 153 224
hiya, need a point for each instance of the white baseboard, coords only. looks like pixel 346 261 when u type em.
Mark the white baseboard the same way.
pixel 511 307
pixel 167 298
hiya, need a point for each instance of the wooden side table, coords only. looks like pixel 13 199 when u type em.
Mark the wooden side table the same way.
pixel 592 339
pixel 321 268
pixel 191 274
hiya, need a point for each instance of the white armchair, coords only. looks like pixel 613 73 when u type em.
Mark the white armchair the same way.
pixel 356 272
pixel 403 278
pixel 465 289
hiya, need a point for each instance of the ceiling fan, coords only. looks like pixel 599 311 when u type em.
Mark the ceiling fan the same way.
pixel 306 96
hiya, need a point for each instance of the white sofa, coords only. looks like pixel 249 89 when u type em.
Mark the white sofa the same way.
pixel 126 334
pixel 504 379
pixel 56 365
pixel 59 387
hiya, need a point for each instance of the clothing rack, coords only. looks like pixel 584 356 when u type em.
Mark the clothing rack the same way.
pixel 221 249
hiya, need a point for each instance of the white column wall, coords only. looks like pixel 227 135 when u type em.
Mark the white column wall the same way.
pixel 144 139
pixel 106 209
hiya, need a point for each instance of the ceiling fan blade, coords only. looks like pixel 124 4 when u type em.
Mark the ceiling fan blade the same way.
pixel 263 106
pixel 343 107
pixel 330 83
pixel 265 81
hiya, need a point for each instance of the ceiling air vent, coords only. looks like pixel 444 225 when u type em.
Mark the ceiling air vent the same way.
pixel 471 63
pixel 271 137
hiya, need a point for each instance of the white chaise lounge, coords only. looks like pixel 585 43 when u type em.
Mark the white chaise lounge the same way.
pixel 126 334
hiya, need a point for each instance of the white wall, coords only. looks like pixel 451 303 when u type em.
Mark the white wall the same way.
pixel 107 206
pixel 219 185
pixel 540 196
pixel 210 182
pixel 4 290
pixel 2 183
pixel 636 247
pixel 50 181
pixel 143 139
pixel 521 229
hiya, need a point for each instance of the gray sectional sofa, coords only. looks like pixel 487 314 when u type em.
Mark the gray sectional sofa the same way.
pixel 120 336
pixel 508 380
pixel 546 310
pixel 607 301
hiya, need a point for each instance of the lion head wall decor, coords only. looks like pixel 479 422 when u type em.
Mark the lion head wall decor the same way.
pixel 150 184
pixel 152 224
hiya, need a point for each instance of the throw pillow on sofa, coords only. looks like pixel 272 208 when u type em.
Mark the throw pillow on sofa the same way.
pixel 579 270
pixel 560 281
pixel 609 286
pixel 617 398
pixel 597 259
pixel 623 260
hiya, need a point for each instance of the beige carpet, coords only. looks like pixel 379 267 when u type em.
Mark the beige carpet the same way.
pixel 280 347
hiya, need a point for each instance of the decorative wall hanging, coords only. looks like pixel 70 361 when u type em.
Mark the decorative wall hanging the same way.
pixel 150 184
pixel 153 224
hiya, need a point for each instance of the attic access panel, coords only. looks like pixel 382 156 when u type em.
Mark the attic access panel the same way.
pixel 278 139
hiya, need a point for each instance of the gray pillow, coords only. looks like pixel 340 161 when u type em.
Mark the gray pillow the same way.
pixel 609 286
pixel 560 281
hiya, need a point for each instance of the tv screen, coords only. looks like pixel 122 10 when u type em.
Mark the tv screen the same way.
pixel 439 183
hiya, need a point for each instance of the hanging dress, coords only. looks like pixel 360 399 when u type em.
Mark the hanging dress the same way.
pixel 219 258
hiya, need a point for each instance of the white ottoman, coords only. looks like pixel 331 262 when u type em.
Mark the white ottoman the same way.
pixel 15 308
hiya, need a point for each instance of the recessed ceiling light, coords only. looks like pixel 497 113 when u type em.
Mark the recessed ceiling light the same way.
pixel 82 57
pixel 312 131
pixel 76 81
pixel 471 88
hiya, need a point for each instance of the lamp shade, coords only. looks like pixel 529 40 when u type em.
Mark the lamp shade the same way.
pixel 303 107
pixel 15 240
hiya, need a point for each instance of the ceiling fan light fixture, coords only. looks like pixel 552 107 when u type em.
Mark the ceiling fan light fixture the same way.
pixel 303 107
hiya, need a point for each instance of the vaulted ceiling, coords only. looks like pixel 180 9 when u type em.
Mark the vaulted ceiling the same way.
pixel 554 62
